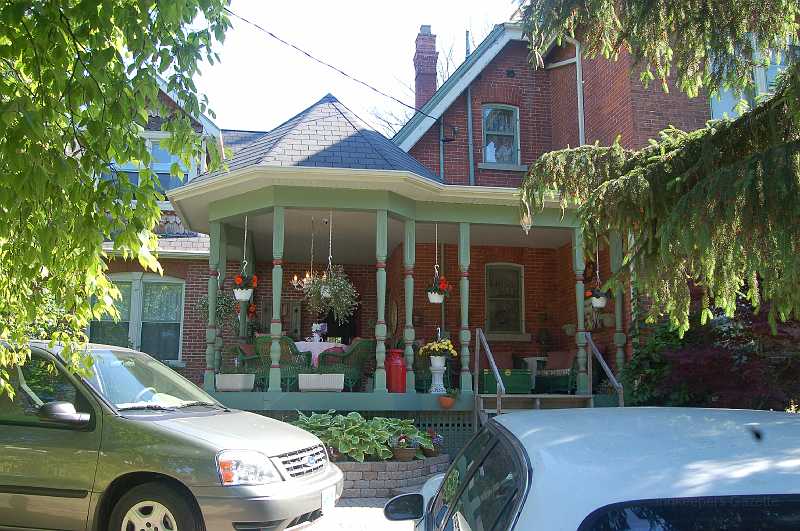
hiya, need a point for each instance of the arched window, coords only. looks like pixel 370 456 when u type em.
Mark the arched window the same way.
pixel 151 316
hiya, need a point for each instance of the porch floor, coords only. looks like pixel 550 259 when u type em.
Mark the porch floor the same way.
pixel 321 401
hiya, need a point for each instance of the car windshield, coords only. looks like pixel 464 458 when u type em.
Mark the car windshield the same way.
pixel 132 380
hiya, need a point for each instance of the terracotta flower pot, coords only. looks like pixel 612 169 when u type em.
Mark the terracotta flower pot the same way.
pixel 404 454
pixel 447 402
pixel 433 452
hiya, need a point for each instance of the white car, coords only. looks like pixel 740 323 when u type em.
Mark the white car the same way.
pixel 648 469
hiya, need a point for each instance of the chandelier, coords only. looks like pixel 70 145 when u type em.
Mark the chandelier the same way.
pixel 302 284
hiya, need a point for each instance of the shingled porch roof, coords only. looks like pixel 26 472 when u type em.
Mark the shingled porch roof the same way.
pixel 325 135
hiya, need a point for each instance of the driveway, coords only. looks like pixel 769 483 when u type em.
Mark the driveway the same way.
pixel 358 514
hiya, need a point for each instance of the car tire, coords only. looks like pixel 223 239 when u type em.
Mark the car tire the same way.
pixel 163 507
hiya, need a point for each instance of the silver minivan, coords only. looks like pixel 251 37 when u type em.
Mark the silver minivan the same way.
pixel 137 446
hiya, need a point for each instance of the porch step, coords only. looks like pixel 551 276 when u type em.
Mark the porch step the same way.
pixel 488 402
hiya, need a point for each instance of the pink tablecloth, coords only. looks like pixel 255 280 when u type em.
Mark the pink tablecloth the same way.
pixel 315 349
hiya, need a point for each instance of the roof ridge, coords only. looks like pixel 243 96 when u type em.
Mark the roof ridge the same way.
pixel 358 131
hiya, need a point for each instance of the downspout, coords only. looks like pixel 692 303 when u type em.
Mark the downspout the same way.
pixel 470 146
pixel 578 82
pixel 441 147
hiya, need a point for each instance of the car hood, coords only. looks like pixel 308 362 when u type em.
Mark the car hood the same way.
pixel 240 430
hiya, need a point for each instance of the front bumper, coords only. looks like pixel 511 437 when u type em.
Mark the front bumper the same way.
pixel 266 507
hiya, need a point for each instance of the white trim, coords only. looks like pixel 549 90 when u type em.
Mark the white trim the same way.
pixel 204 120
pixel 518 335
pixel 511 33
pixel 137 280
pixel 577 61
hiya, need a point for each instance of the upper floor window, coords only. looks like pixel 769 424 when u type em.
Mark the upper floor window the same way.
pixel 161 161
pixel 504 305
pixel 724 104
pixel 500 134
pixel 151 316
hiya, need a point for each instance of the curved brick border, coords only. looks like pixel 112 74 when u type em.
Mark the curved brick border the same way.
pixel 379 479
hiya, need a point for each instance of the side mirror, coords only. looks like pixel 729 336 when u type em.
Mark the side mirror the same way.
pixel 405 507
pixel 63 413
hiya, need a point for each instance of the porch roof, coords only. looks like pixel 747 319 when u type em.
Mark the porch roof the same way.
pixel 326 134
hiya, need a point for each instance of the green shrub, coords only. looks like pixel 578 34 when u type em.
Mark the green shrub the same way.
pixel 358 438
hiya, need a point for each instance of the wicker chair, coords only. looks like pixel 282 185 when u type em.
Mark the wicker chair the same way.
pixel 558 375
pixel 351 362
pixel 292 362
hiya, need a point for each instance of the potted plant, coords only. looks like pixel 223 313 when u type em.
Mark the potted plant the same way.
pixel 235 377
pixel 438 352
pixel 404 448
pixel 332 293
pixel 448 400
pixel 436 441
pixel 439 290
pixel 243 286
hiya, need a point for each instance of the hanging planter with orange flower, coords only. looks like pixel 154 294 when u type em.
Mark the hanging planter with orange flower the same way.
pixel 439 288
pixel 244 284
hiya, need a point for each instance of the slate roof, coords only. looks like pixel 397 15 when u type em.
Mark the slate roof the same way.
pixel 328 135
pixel 236 139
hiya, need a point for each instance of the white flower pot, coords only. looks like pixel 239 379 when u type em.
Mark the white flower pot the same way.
pixel 321 382
pixel 242 294
pixel 437 362
pixel 599 302
pixel 435 298
pixel 437 376
pixel 235 382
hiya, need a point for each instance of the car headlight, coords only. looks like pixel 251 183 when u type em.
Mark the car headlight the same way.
pixel 245 467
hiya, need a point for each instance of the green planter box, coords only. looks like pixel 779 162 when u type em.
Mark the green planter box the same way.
pixel 516 381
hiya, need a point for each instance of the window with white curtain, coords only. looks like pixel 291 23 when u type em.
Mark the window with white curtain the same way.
pixel 151 316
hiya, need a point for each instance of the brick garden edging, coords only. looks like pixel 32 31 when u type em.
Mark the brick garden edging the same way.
pixel 380 479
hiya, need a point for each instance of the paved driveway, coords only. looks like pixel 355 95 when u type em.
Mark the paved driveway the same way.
pixel 358 514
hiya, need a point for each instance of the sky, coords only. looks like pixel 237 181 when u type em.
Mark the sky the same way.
pixel 259 83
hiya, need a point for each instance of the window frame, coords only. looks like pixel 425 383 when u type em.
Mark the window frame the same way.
pixel 80 389
pixel 517 153
pixel 138 280
pixel 500 435
pixel 160 167
pixel 520 334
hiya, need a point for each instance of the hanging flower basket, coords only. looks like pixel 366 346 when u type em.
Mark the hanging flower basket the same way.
pixel 242 294
pixel 439 290
pixel 332 293
pixel 599 299
pixel 243 286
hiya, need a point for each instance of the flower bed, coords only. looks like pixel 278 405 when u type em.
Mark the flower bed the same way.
pixel 383 479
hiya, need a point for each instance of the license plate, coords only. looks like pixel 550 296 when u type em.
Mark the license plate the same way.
pixel 328 499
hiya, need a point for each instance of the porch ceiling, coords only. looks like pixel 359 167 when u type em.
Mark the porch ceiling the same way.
pixel 354 236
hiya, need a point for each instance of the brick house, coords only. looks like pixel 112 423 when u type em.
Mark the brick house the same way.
pixel 443 190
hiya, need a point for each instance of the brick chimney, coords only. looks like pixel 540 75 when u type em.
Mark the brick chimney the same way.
pixel 425 59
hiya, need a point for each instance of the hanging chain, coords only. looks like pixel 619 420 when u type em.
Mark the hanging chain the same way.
pixel 436 252
pixel 330 241
pixel 244 248
pixel 597 261
pixel 313 232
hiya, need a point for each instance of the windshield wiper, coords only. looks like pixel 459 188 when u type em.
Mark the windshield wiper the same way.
pixel 154 407
pixel 201 403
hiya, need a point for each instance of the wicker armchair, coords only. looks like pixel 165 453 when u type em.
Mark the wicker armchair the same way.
pixel 351 362
pixel 292 362
pixel 558 375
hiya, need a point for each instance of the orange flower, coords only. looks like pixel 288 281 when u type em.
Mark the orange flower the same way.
pixel 238 308
pixel 237 280
pixel 252 308
pixel 255 280
pixel 587 293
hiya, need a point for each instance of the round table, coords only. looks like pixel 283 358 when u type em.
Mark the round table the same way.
pixel 316 348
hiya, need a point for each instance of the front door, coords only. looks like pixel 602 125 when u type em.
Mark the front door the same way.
pixel 46 470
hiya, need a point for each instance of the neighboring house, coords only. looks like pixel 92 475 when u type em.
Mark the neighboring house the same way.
pixel 449 177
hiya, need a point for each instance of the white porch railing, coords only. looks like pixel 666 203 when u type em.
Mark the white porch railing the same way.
pixel 610 375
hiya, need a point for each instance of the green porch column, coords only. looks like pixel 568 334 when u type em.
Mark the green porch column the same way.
pixel 409 257
pixel 579 265
pixel 619 332
pixel 275 328
pixel 215 229
pixel 464 334
pixel 250 255
pixel 381 244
